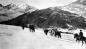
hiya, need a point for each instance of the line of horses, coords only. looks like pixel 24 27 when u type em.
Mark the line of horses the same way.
pixel 54 32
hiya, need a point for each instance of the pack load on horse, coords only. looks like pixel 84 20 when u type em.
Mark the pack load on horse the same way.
pixel 53 32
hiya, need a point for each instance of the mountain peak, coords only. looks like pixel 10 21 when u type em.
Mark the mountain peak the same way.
pixel 27 7
pixel 23 6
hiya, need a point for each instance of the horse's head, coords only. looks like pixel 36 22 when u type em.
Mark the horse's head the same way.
pixel 76 35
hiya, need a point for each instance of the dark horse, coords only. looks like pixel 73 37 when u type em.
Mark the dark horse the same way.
pixel 76 36
pixel 80 38
pixel 23 26
pixel 32 28
pixel 57 33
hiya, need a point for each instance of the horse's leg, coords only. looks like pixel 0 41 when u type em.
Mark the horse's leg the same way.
pixel 85 41
pixel 22 27
pixel 30 30
pixel 82 42
pixel 77 40
pixel 46 33
pixel 33 30
pixel 60 36
pixel 51 34
pixel 55 35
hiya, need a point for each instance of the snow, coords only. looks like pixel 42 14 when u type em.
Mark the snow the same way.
pixel 13 37
pixel 73 31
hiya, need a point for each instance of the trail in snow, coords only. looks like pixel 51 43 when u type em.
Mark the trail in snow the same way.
pixel 12 37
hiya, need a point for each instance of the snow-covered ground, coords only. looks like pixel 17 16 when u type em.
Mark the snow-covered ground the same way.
pixel 12 37
pixel 73 31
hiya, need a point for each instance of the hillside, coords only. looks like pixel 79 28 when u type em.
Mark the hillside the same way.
pixel 49 17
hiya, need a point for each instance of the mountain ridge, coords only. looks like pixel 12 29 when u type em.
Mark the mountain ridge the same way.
pixel 47 17
pixel 77 7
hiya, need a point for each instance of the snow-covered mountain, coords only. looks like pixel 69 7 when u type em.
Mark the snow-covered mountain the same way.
pixel 22 8
pixel 11 11
pixel 78 7
pixel 27 8
pixel 49 17
pixel 63 17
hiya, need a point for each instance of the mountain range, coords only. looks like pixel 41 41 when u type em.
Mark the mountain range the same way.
pixel 71 15
pixel 49 17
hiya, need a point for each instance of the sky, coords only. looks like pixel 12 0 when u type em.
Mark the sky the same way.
pixel 40 4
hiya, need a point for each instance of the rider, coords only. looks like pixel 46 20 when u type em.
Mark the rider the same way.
pixel 81 34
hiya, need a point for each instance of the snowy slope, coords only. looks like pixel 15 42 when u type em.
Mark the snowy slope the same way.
pixel 12 37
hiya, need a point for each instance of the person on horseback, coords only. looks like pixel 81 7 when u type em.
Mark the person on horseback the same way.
pixel 81 34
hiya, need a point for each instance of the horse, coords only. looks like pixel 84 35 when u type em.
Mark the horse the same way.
pixel 80 38
pixel 49 30
pixel 56 33
pixel 23 26
pixel 32 28
pixel 76 36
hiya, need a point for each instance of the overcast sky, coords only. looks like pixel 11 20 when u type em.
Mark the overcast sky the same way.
pixel 39 3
